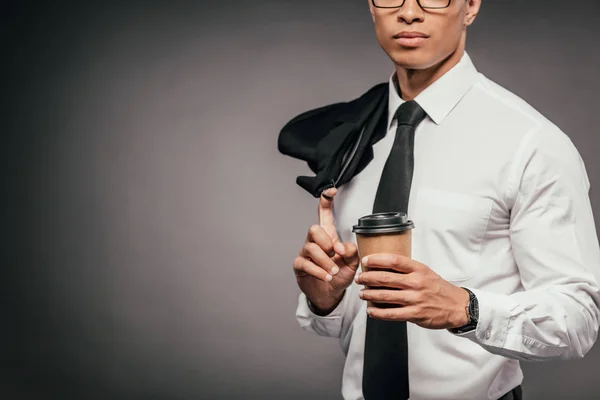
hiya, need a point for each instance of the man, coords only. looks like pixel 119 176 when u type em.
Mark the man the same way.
pixel 505 256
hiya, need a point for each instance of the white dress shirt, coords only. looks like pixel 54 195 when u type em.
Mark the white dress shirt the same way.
pixel 499 200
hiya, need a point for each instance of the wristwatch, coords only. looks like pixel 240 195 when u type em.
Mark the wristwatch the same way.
pixel 473 312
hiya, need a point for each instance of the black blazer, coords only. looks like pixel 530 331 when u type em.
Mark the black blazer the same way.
pixel 336 140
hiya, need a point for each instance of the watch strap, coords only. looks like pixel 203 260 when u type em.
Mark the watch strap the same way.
pixel 472 309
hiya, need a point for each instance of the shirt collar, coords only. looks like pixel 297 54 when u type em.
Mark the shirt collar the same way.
pixel 439 98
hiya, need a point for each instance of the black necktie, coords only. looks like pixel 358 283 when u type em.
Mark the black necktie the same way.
pixel 385 368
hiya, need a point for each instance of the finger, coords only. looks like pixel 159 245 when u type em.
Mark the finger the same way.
pixel 400 297
pixel 383 279
pixel 390 261
pixel 317 234
pixel 318 257
pixel 408 314
pixel 325 210
pixel 303 267
pixel 349 253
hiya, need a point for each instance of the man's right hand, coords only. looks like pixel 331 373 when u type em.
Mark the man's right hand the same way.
pixel 325 266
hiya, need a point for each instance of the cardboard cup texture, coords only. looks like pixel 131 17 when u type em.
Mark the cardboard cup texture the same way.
pixel 396 243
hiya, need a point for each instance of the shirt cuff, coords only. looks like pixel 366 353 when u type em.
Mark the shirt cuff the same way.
pixel 495 311
pixel 324 325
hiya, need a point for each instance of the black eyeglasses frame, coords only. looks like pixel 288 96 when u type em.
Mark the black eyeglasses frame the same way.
pixel 418 2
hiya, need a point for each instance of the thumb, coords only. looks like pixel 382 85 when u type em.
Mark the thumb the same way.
pixel 349 252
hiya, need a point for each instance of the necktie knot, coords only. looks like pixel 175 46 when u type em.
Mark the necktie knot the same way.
pixel 410 113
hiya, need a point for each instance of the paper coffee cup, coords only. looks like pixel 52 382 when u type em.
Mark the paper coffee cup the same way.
pixel 384 233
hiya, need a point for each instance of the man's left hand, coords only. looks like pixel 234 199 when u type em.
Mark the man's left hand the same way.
pixel 424 298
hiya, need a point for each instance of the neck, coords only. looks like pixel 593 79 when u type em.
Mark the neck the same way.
pixel 411 82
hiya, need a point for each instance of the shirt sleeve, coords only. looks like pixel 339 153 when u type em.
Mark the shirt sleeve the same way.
pixel 555 247
pixel 336 324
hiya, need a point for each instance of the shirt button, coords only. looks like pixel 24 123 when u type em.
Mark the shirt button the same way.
pixel 488 334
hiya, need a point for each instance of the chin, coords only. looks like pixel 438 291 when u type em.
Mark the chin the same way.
pixel 413 58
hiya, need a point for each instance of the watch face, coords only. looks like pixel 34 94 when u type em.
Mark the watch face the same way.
pixel 474 309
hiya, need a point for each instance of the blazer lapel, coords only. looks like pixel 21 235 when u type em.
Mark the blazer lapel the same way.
pixel 374 130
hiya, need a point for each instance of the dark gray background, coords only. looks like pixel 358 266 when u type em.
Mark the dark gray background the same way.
pixel 150 221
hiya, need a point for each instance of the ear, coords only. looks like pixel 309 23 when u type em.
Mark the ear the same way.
pixel 371 9
pixel 472 11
